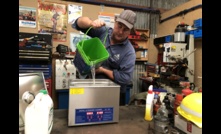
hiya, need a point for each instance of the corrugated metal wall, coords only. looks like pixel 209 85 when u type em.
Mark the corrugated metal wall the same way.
pixel 166 4
pixel 149 21
pixel 137 83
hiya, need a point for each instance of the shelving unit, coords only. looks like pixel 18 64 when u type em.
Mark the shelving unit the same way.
pixel 35 55
pixel 140 41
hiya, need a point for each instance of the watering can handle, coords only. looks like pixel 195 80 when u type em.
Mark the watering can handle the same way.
pixel 104 37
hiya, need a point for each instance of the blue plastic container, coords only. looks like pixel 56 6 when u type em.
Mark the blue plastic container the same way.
pixel 168 38
pixel 80 65
pixel 63 98
pixel 198 33
pixel 159 90
pixel 198 23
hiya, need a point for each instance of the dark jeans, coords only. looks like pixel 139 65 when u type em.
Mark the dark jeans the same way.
pixel 122 99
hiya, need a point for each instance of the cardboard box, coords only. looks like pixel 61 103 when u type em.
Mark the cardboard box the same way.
pixel 138 54
pixel 186 126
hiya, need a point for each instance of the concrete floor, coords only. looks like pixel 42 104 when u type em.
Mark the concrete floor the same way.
pixel 131 121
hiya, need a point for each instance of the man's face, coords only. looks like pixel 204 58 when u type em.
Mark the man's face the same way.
pixel 120 32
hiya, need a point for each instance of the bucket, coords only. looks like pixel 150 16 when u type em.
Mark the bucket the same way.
pixel 39 114
pixel 90 52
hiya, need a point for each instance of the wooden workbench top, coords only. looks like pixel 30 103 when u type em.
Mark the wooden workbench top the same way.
pixel 131 121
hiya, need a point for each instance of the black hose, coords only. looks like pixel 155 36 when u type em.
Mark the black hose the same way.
pixel 181 13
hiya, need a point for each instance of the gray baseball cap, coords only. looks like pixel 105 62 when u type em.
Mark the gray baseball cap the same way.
pixel 128 18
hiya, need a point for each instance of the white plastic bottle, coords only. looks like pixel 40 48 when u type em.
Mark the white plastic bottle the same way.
pixel 39 114
pixel 149 104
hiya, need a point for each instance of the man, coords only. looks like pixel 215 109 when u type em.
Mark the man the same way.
pixel 120 65
pixel 54 19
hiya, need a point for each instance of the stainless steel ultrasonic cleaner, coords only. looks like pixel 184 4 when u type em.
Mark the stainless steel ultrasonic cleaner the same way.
pixel 93 102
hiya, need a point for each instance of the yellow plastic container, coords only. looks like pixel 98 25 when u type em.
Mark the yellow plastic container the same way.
pixel 149 104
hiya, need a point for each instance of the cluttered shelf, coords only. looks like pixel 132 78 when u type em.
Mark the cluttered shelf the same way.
pixel 139 40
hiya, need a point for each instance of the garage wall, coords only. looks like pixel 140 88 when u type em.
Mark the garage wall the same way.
pixel 165 28
pixel 168 27
pixel 88 10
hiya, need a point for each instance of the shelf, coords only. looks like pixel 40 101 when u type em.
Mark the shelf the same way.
pixel 142 59
pixel 137 39
pixel 140 49
pixel 140 44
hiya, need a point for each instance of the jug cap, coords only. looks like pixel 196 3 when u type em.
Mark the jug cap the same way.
pixel 43 91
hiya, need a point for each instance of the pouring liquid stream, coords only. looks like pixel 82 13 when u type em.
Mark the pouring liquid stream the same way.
pixel 93 71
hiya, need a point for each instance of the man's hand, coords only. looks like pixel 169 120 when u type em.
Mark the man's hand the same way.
pixel 85 22
pixel 107 72
pixel 99 70
pixel 97 23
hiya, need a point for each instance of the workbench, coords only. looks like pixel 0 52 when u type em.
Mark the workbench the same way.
pixel 131 121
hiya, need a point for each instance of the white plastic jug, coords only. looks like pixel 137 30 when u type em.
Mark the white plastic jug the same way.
pixel 39 114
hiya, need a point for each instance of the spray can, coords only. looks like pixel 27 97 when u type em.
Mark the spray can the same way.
pixel 149 104
pixel 39 114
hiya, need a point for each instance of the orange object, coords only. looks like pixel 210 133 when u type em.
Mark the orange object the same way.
pixel 186 91
pixel 156 106
pixel 179 98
